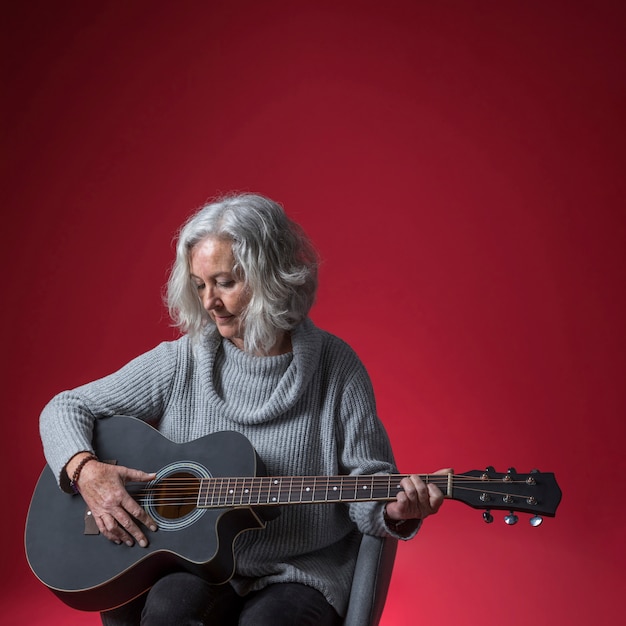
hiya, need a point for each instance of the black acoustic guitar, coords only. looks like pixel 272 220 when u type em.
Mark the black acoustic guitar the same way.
pixel 206 493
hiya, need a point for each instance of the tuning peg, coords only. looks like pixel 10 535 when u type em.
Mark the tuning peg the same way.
pixel 488 517
pixel 536 520
pixel 509 476
pixel 511 519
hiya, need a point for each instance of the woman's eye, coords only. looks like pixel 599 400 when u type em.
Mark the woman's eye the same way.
pixel 200 287
pixel 226 283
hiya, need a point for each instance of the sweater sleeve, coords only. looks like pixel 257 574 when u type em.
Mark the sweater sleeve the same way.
pixel 365 449
pixel 139 389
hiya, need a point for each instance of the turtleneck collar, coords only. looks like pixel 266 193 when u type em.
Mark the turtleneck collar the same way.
pixel 250 389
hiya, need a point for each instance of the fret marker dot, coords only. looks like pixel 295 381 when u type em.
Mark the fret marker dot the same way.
pixel 334 488
pixel 273 499
pixel 308 489
pixel 231 491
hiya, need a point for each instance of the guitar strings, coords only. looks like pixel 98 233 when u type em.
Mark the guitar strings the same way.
pixel 246 491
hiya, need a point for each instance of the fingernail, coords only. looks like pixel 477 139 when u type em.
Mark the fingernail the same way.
pixel 143 543
pixel 153 528
pixel 129 543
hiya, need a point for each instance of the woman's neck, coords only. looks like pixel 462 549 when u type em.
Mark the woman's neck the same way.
pixel 282 345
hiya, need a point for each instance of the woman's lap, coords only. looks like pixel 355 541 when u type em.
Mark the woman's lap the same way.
pixel 182 599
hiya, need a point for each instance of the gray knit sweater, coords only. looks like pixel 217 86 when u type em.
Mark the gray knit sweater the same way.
pixel 310 412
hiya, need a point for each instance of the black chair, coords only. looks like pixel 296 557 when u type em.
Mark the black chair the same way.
pixel 370 584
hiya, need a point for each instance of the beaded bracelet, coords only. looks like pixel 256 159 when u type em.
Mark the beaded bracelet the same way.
pixel 79 469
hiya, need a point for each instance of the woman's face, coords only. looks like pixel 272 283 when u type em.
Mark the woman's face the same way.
pixel 221 291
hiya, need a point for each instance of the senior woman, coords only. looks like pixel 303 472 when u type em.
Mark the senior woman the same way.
pixel 249 360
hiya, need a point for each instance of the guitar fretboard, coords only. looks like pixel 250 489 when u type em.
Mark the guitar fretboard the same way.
pixel 249 491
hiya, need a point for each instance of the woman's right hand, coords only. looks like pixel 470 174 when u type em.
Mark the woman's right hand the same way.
pixel 117 514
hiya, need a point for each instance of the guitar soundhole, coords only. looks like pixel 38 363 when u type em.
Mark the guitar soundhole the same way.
pixel 173 496
pixel 176 497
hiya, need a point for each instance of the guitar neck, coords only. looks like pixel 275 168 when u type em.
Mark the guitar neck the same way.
pixel 252 491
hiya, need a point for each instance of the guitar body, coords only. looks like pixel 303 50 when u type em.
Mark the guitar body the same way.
pixel 89 572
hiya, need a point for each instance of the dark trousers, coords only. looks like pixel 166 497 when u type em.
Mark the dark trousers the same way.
pixel 183 599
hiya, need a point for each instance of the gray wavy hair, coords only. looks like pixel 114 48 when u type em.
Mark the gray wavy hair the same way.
pixel 275 257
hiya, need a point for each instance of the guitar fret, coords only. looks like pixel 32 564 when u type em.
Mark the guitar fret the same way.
pixel 337 488
pixel 266 490
pixel 273 493
pixel 253 491
pixel 213 493
pixel 237 491
pixel 333 489
pixel 210 492
pixel 381 486
pixel 202 493
pixel 358 488
pixel 224 492
pixel 246 490
pixel 308 491
pixel 314 490
pixel 363 488
pixel 227 495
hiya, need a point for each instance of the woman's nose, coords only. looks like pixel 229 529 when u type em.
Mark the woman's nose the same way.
pixel 210 299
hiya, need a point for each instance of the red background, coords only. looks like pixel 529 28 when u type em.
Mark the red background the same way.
pixel 460 167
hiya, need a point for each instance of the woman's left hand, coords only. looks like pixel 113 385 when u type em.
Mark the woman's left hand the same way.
pixel 418 499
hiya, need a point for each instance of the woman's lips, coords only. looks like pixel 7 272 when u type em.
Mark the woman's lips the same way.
pixel 223 318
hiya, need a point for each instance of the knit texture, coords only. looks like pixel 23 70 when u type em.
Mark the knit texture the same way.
pixel 309 412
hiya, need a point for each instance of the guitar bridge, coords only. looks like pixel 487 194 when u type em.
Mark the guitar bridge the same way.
pixel 91 528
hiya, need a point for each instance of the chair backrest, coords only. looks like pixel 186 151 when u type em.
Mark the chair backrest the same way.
pixel 370 584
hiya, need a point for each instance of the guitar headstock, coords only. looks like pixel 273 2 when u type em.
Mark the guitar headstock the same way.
pixel 537 493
